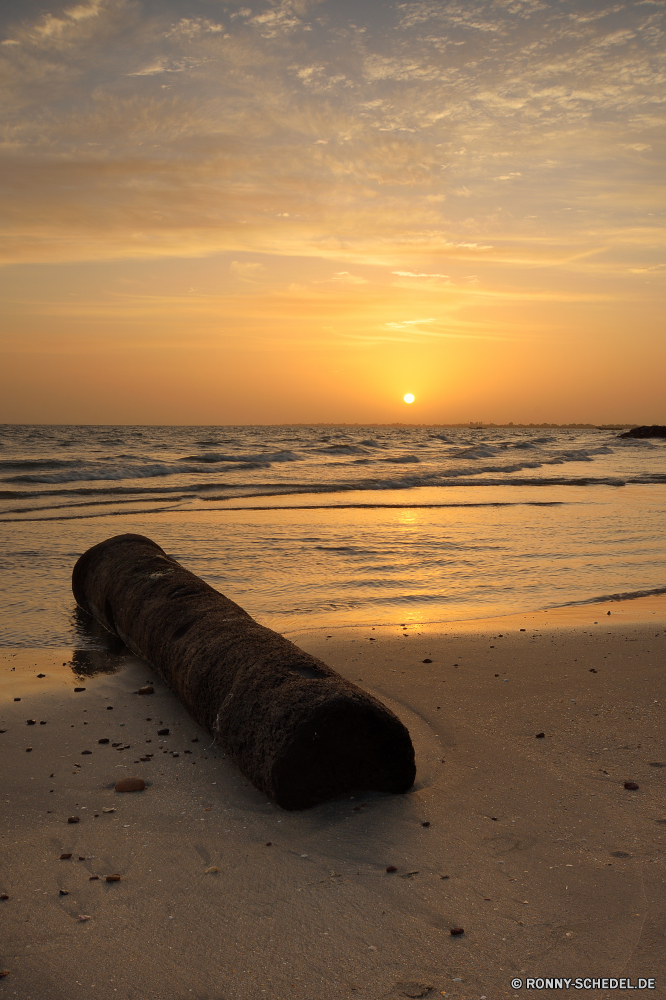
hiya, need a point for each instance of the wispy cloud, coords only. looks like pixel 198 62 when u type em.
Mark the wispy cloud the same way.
pixel 282 127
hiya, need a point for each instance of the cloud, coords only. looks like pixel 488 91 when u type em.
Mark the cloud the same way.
pixel 245 270
pixel 350 279
pixel 411 274
pixel 129 134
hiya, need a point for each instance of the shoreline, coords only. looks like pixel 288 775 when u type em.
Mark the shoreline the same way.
pixel 534 845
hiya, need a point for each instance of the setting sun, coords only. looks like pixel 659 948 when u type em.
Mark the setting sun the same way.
pixel 408 397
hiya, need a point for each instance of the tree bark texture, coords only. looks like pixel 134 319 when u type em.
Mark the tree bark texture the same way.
pixel 298 730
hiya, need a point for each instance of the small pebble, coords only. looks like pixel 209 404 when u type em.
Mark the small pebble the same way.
pixel 540 736
pixel 104 740
pixel 17 699
pixel 31 722
pixel 130 785
pixel 109 708
pixel 83 752
pixel 113 878
pixel 592 670
pixel 41 675
pixel 162 732
pixel 147 689
pixel 94 878
pixel 81 858
pixel 195 739
pixel 42 723
pixel 108 809
pixel 74 819
pixel 426 660
pixel 175 755
pixel 82 917
pixel 427 823
pixel 631 786
pixel 65 857
pixel 4 972
pixel 79 689
pixel 455 931
pixel 3 895
pixel 64 892
pixel 211 869
pixel 28 749
pixel 391 868
pixel 269 843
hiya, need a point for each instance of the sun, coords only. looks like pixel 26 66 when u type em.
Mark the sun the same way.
pixel 408 397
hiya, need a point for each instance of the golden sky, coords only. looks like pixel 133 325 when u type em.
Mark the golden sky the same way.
pixel 300 210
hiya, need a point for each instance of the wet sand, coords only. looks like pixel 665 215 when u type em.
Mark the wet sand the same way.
pixel 533 845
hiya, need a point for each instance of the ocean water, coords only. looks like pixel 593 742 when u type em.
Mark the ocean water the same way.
pixel 330 526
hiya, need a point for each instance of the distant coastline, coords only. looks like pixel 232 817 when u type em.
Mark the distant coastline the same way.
pixel 474 424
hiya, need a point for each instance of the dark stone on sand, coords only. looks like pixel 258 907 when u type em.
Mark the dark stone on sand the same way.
pixel 28 749
pixel 162 732
pixel 31 722
pixel 65 857
pixel 651 431
pixel 631 786
pixel 85 752
pixel 64 892
pixel 74 819
pixel 130 785
pixel 109 708
pixel 104 740
pixel 427 823
pixel 4 895
pixel 391 868
pixel 113 878
pixel 79 689
pixel 456 931
pixel 300 732
pixel 540 736
pixel 148 689
pixel 17 699
pixel 94 878
pixel 41 675
pixel 426 660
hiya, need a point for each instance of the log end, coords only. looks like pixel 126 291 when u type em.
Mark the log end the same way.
pixel 350 745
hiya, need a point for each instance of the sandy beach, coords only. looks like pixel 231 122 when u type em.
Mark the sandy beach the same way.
pixel 519 829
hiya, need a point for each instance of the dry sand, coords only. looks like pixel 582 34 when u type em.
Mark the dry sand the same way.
pixel 534 846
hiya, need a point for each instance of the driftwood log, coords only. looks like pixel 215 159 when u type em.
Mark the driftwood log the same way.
pixel 300 732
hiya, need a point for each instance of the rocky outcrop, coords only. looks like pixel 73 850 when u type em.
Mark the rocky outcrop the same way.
pixel 653 431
